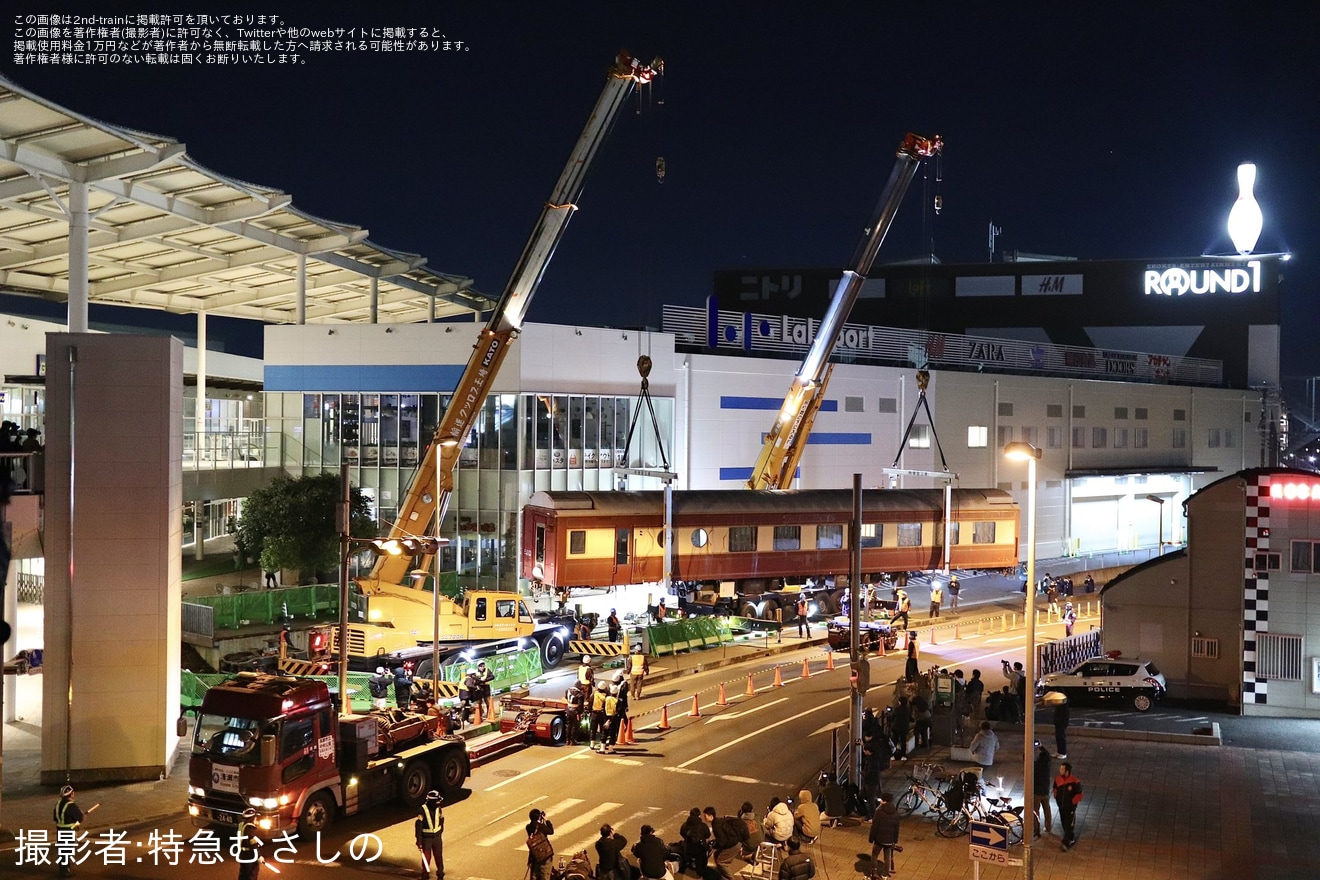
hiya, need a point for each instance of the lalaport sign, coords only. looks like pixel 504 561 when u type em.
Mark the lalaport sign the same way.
pixel 1198 280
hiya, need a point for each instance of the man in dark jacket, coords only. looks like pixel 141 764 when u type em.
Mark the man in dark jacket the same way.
pixel 730 839
pixel 884 836
pixel 402 688
pixel 696 842
pixel 539 823
pixel 797 865
pixel 609 849
pixel 900 724
pixel 651 852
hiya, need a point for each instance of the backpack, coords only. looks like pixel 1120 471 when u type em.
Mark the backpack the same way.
pixel 377 688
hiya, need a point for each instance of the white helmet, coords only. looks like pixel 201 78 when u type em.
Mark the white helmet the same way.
pixel 380 670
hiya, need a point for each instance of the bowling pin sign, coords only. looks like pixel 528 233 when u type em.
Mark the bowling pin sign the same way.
pixel 1245 219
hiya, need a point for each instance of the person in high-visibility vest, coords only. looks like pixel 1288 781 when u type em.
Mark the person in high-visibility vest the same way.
pixel 68 816
pixel 246 841
pixel 428 830
pixel 638 665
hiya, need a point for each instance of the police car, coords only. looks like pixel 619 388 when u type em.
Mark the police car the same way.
pixel 1108 679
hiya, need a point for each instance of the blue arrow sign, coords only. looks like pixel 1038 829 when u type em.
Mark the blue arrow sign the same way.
pixel 989 834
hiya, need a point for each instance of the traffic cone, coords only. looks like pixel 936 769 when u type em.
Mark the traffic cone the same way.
pixel 696 709
pixel 751 689
pixel 806 668
pixel 723 701
pixel 779 682
pixel 628 738
pixel 932 636
pixel 829 661
pixel 664 718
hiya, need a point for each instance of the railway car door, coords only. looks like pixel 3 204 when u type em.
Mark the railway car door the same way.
pixel 623 556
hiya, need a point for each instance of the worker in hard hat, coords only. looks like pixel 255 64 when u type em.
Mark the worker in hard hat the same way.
pixel 638 666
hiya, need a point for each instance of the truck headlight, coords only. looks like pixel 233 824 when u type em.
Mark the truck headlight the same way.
pixel 269 803
pixel 193 810
pixel 264 823
pixel 196 790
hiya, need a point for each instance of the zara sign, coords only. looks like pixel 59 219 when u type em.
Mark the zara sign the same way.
pixel 1179 281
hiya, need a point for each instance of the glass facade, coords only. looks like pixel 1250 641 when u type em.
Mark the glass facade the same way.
pixel 521 444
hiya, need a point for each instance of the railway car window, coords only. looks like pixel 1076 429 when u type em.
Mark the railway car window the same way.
pixel 788 538
pixel 829 537
pixel 620 546
pixel 700 537
pixel 983 532
pixel 742 539
pixel 954 534
pixel 873 535
pixel 540 543
pixel 909 534
pixel 577 542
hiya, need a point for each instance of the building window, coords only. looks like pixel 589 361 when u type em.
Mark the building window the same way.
pixel 888 405
pixel 920 437
pixel 1279 656
pixel 1120 412
pixel 1180 415
pixel 1099 438
pixel 1213 439
pixel 1053 410
pixel 1204 648
pixel 1079 438
pixel 909 534
pixel 788 538
pixel 1054 437
pixel 829 537
pixel 1269 561
pixel 1179 438
pixel 1304 557
pixel 577 542
pixel 1229 439
pixel 1140 438
pixel 742 539
pixel 1029 434
pixel 978 436
pixel 853 404
pixel 1120 438
pixel 1079 412
pixel 983 532
pixel 1005 410
pixel 873 535
pixel 1003 436
pixel 1141 413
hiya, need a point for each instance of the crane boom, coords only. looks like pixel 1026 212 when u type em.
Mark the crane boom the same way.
pixel 787 438
pixel 428 496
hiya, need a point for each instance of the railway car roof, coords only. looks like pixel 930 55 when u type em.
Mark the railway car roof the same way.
pixel 746 501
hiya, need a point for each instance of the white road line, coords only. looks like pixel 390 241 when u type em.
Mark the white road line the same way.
pixel 768 727
pixel 725 716
pixel 627 822
pixel 576 822
pixel 495 838
pixel 539 767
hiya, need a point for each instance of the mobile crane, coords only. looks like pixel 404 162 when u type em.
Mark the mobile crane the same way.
pixel 788 436
pixel 397 618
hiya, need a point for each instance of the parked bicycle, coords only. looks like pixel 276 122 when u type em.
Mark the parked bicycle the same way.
pixel 975 805
pixel 922 790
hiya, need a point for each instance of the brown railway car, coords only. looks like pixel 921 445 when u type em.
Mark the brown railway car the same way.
pixel 600 539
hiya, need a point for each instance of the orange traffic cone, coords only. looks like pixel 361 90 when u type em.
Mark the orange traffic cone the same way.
pixel 806 668
pixel 696 709
pixel 829 661
pixel 723 701
pixel 779 682
pixel 751 688
pixel 627 737
pixel 932 635
pixel 664 718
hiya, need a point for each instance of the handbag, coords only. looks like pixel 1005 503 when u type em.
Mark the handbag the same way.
pixel 540 847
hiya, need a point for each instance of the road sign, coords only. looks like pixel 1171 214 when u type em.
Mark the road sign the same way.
pixel 991 856
pixel 989 834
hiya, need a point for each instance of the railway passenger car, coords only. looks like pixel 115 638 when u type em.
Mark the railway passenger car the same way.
pixel 759 539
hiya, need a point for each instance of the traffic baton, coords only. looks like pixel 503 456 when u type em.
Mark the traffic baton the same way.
pixel 266 864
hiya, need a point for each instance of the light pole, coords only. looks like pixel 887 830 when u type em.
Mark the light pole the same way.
pixel 1160 501
pixel 1019 451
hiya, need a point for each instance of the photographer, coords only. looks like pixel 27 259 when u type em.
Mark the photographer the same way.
pixel 884 836
pixel 540 852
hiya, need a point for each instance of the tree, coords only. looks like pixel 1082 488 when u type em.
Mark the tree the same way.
pixel 290 524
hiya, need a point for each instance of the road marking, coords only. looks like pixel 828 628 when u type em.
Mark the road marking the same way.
pixel 626 822
pixel 495 838
pixel 765 729
pixel 725 776
pixel 576 822
pixel 730 715
pixel 539 767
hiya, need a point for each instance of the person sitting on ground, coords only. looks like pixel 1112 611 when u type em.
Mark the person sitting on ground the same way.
pixel 797 865
pixel 696 842
pixel 831 797
pixel 778 822
pixel 984 745
pixel 806 818
pixel 651 854
pixel 754 832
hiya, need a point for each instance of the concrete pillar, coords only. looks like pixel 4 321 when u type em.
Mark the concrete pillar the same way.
pixel 78 221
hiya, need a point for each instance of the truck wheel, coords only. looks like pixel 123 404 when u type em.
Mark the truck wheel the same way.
pixel 829 604
pixel 748 611
pixel 415 783
pixel 451 772
pixel 317 815
pixel 552 651
pixel 768 611
pixel 558 730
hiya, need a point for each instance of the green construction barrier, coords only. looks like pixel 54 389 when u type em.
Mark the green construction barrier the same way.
pixel 683 635
pixel 268 607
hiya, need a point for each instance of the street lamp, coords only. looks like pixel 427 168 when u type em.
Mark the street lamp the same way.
pixel 1018 451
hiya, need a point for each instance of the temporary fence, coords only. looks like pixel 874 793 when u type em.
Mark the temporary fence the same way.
pixel 1063 654
pixel 683 635
pixel 269 607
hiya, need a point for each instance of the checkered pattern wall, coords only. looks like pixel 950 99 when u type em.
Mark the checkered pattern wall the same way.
pixel 1255 585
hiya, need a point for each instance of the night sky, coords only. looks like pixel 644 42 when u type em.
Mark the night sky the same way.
pixel 1087 130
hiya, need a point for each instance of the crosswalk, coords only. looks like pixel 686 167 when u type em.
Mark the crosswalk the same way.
pixel 577 824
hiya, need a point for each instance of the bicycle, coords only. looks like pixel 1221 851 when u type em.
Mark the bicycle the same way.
pixel 921 790
pixel 977 806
